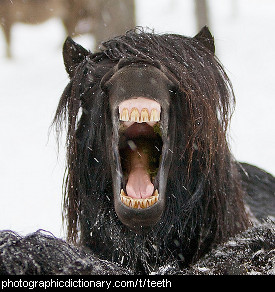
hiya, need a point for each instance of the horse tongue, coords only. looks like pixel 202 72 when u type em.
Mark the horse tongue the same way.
pixel 139 184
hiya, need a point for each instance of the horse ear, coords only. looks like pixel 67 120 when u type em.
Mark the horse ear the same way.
pixel 205 37
pixel 73 54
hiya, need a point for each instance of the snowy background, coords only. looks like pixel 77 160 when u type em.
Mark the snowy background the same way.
pixel 32 166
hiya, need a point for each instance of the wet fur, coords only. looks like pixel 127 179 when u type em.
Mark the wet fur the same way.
pixel 40 253
pixel 204 204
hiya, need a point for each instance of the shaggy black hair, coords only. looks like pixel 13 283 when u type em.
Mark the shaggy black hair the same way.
pixel 204 199
pixel 204 227
pixel 40 253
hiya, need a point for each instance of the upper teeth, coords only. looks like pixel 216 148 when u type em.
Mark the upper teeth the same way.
pixel 139 117
pixel 139 110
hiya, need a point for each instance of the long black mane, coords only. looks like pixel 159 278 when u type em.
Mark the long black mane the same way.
pixel 204 197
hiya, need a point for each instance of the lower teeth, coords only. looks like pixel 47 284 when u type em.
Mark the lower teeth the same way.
pixel 139 203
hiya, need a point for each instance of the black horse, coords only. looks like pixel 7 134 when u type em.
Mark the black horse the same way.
pixel 150 176
pixel 150 179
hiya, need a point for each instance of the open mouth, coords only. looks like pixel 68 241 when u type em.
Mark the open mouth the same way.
pixel 140 146
pixel 139 98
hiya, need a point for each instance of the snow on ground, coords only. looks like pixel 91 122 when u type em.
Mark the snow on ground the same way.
pixel 31 167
